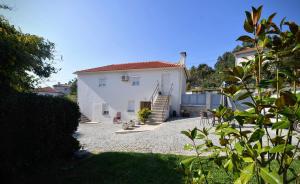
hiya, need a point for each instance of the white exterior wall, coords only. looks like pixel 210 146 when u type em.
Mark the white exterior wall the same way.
pixel 239 58
pixel 117 93
pixel 63 89
pixel 49 94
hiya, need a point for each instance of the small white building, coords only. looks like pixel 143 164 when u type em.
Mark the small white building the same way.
pixel 243 55
pixel 63 88
pixel 123 89
pixel 47 91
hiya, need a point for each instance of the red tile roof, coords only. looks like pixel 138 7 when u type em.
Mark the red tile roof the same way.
pixel 245 50
pixel 131 66
pixel 46 90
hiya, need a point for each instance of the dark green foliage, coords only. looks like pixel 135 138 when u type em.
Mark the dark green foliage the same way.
pixel 35 129
pixel 73 84
pixel 205 76
pixel 25 58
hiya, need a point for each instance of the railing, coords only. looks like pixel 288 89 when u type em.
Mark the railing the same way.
pixel 168 100
pixel 154 93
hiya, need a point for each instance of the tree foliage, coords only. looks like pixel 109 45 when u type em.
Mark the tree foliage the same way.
pixel 24 58
pixel 205 76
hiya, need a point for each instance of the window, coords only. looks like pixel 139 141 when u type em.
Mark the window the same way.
pixel 131 105
pixel 135 81
pixel 102 82
pixel 105 110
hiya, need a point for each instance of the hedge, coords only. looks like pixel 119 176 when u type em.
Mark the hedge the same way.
pixel 35 129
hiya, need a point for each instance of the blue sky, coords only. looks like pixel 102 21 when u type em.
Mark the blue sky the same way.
pixel 91 33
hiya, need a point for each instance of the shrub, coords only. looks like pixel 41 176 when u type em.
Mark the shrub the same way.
pixel 273 109
pixel 36 129
pixel 144 114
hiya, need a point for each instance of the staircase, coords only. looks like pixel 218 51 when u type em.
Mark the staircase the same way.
pixel 159 109
pixel 83 119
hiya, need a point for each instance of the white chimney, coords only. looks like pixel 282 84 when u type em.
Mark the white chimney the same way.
pixel 182 58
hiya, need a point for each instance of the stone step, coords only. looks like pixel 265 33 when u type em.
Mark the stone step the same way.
pixel 159 104
pixel 157 116
pixel 156 119
pixel 83 119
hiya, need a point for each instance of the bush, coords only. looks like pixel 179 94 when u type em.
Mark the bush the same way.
pixel 144 114
pixel 36 129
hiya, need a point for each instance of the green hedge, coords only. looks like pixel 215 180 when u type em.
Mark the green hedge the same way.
pixel 36 129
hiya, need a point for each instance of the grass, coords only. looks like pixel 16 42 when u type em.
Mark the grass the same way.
pixel 125 168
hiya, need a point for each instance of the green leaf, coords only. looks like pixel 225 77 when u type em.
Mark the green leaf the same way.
pixel 259 9
pixel 281 125
pixel 200 136
pixel 187 162
pixel 280 148
pixel 249 104
pixel 194 133
pixel 296 48
pixel 282 22
pixel 244 96
pixel 228 165
pixel 239 148
pixel 257 135
pixel 271 17
pixel 186 133
pixel 230 130
pixel 188 147
pixel 245 38
pixel 248 27
pixel 248 159
pixel 270 177
pixel 293 27
pixel 249 18
pixel 286 99
pixel 246 174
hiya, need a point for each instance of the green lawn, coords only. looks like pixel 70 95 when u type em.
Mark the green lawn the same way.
pixel 125 168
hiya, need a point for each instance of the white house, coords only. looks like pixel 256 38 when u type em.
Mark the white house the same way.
pixel 47 91
pixel 63 88
pixel 243 55
pixel 107 92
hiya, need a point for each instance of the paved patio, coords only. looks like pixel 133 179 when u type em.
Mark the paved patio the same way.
pixel 165 138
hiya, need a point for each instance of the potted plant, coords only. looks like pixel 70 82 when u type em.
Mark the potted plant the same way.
pixel 144 114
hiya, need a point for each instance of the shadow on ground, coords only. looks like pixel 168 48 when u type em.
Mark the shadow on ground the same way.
pixel 111 168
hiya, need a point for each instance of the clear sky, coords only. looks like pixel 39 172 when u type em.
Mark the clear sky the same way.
pixel 91 33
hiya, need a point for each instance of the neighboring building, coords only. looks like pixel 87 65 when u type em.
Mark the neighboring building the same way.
pixel 123 89
pixel 240 56
pixel 63 88
pixel 48 91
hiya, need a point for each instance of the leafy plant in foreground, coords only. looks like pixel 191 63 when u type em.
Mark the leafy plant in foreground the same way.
pixel 274 105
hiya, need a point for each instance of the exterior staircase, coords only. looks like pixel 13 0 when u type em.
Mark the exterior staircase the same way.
pixel 160 109
pixel 83 119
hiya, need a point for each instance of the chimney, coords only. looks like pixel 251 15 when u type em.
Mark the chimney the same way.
pixel 182 58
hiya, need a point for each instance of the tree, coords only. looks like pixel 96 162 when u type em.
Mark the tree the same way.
pixel 73 84
pixel 25 58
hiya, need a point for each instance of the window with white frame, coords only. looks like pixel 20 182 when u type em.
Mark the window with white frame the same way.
pixel 105 109
pixel 102 82
pixel 131 105
pixel 135 81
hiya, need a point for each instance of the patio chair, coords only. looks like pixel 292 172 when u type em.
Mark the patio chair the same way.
pixel 215 120
pixel 117 118
pixel 204 117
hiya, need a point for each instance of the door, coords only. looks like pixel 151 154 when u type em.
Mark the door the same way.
pixel 165 83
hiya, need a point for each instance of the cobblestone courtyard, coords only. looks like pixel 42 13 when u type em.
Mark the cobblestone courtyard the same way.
pixel 166 138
